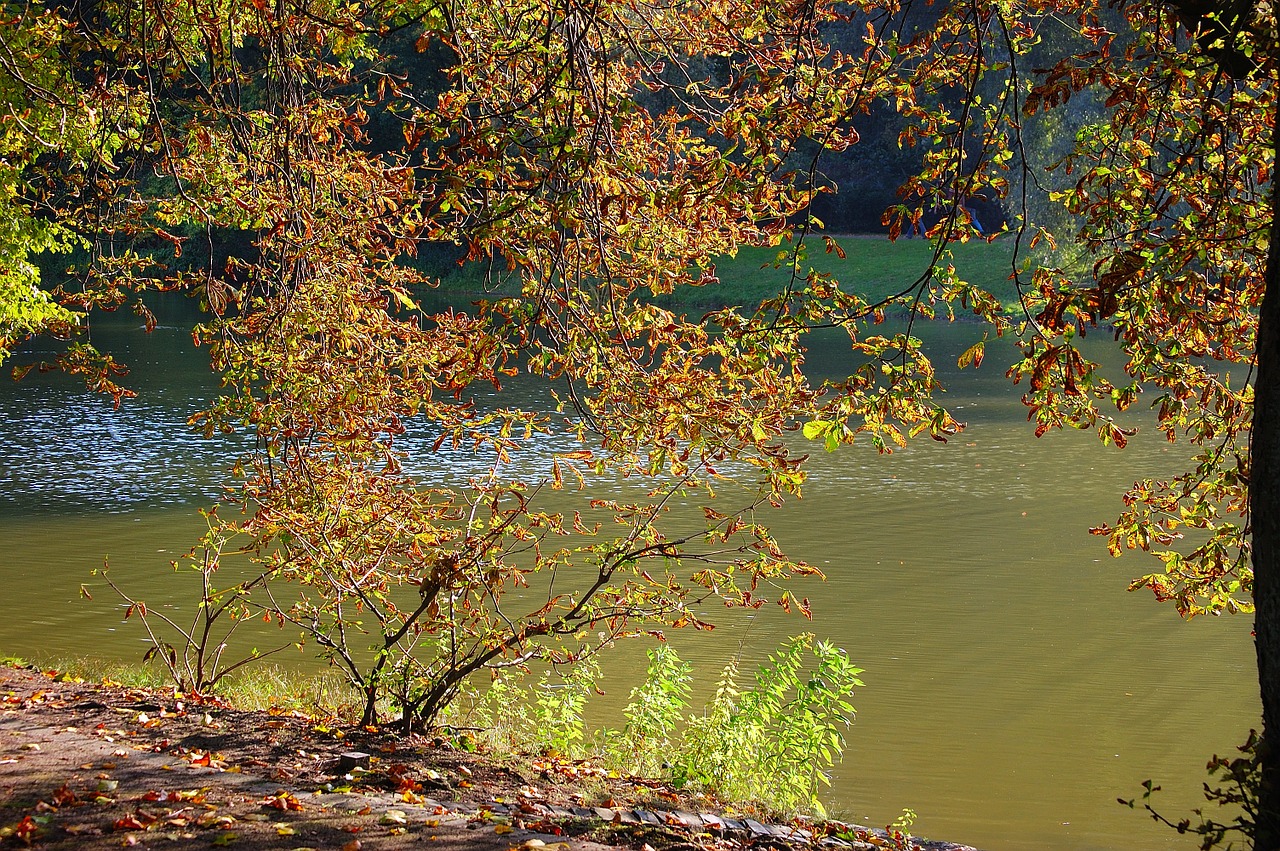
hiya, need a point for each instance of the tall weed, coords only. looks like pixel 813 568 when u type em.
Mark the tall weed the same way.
pixel 654 716
pixel 775 741
pixel 559 702
pixel 770 741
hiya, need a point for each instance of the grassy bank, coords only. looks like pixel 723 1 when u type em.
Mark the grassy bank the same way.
pixel 99 765
pixel 872 266
pixel 764 742
pixel 261 688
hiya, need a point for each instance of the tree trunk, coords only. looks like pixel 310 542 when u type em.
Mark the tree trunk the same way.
pixel 1264 515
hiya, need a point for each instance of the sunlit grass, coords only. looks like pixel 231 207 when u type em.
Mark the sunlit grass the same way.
pixel 271 687
pixel 91 670
pixel 872 267
pixel 262 687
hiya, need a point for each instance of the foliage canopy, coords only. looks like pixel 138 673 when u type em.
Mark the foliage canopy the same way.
pixel 285 160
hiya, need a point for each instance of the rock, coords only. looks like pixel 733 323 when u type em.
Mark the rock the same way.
pixel 351 760
pixel 714 822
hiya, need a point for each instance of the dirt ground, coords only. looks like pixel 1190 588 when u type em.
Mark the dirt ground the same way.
pixel 94 767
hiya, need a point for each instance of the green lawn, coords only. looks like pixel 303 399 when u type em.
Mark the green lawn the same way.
pixel 873 267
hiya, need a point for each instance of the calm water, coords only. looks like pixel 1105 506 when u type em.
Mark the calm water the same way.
pixel 1014 689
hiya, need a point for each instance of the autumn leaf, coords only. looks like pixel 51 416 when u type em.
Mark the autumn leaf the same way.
pixel 283 801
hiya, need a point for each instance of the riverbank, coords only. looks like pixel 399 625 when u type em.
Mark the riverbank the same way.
pixel 869 265
pixel 101 766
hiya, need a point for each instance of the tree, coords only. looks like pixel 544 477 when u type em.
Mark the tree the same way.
pixel 41 118
pixel 1172 188
pixel 593 156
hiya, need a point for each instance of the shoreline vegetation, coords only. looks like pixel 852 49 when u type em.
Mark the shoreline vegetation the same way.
pixel 117 762
pixel 873 267
pixel 763 743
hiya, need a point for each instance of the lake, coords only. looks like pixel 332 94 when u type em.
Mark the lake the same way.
pixel 1014 689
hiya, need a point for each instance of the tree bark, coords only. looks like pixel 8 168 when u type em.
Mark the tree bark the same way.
pixel 1264 516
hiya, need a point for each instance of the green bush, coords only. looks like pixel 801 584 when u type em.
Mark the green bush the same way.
pixel 774 742
pixel 770 743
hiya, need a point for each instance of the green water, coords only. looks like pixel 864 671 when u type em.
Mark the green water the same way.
pixel 1014 689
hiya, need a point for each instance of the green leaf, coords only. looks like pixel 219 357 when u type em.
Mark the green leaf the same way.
pixel 815 429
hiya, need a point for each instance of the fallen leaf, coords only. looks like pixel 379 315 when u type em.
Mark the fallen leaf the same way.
pixel 353 845
pixel 24 830
pixel 129 822
pixel 62 796
pixel 283 801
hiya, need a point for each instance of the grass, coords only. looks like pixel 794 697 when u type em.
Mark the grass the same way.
pixel 873 267
pixel 261 687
